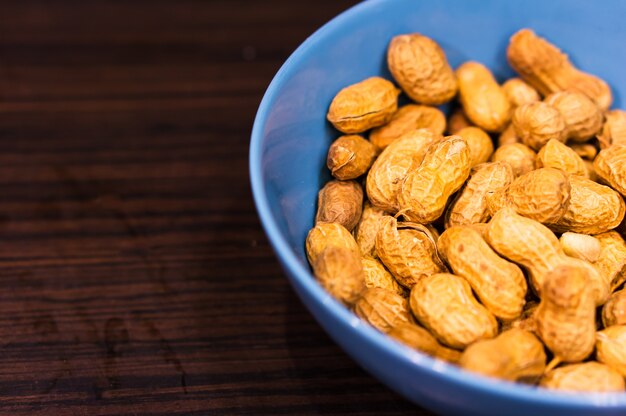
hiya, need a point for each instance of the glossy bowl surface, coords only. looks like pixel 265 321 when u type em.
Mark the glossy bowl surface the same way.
pixel 290 139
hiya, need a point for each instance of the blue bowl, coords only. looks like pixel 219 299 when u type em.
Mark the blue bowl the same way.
pixel 290 139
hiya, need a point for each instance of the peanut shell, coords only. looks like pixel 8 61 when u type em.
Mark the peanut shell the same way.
pixel 445 305
pixel 350 157
pixel 340 271
pixel 586 377
pixel 483 100
pixel 340 202
pixel 537 123
pixel 382 309
pixel 425 191
pixel 420 67
pixel 364 105
pixel 518 155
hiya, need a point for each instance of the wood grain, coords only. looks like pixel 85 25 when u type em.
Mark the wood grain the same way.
pixel 135 276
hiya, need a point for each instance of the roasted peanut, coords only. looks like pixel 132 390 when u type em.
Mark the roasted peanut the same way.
pixel 583 118
pixel 408 250
pixel 479 143
pixel 407 119
pixel 470 204
pixel 513 355
pixel 457 121
pixel 537 123
pixel 388 171
pixel 614 310
pixel 518 155
pixel 536 248
pixel 526 320
pixel 508 136
pixel 611 347
pixel 340 202
pixel 382 309
pixel 542 195
pixel 591 172
pixel 519 93
pixel 549 70
pixel 482 98
pixel 339 270
pixel 499 284
pixel 614 129
pixel 350 157
pixel 425 191
pixel 364 105
pixel 420 67
pixel 612 260
pixel 586 377
pixel 375 275
pixel 580 246
pixel 566 314
pixel 559 156
pixel 420 339
pixel 367 228
pixel 585 150
pixel 445 305
pixel 592 208
pixel 610 166
pixel 328 234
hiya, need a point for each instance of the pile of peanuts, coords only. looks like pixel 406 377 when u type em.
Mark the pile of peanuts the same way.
pixel 499 247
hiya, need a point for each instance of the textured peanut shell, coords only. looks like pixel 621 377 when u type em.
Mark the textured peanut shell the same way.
pixel 611 347
pixel 566 314
pixel 612 260
pixel 367 228
pixel 610 166
pixel 382 309
pixel 350 157
pixel 614 310
pixel 586 377
pixel 340 271
pixel 498 284
pixel 364 105
pixel 519 92
pixel 328 234
pixel 408 118
pixel 470 204
pixel 386 174
pixel 483 100
pixel 585 150
pixel 420 67
pixel 614 129
pixel 375 275
pixel 425 191
pixel 518 155
pixel 479 143
pixel 583 118
pixel 340 202
pixel 508 136
pixel 559 156
pixel 580 246
pixel 513 355
pixel 542 195
pixel 445 305
pixel 457 121
pixel 526 320
pixel 420 339
pixel 537 123
pixel 548 70
pixel 533 246
pixel 408 250
pixel 592 208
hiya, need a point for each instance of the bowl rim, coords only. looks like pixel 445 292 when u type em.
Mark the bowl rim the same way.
pixel 449 372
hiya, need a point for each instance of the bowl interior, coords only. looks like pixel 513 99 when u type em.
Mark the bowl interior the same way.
pixel 291 136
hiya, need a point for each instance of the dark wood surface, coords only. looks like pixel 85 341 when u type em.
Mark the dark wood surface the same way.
pixel 134 275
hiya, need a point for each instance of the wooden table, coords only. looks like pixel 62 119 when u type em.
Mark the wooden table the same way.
pixel 135 277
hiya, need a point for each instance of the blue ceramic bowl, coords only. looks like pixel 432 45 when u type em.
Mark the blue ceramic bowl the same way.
pixel 291 137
